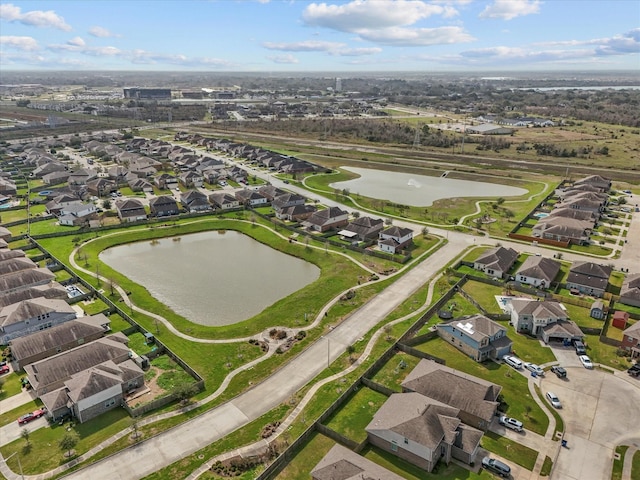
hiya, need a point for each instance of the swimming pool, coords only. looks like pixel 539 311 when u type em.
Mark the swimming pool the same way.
pixel 44 193
pixel 540 214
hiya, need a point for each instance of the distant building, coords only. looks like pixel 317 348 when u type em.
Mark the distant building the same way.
pixel 137 93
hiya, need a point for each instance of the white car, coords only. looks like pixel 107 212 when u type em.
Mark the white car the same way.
pixel 554 400
pixel 532 367
pixel 586 361
pixel 511 423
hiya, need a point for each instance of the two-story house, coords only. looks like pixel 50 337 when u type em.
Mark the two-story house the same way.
pixel 327 219
pixel 28 316
pixel 476 336
pixel 395 239
pixel 163 206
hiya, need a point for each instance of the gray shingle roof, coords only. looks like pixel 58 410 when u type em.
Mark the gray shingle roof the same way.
pixel 540 267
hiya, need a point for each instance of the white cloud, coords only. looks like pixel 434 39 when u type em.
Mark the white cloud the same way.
pixel 35 18
pixel 371 14
pixel 510 9
pixel 76 41
pixel 399 36
pixel 20 43
pixel 332 48
pixel 101 32
pixel 283 59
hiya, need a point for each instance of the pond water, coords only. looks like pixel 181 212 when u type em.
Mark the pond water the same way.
pixel 212 278
pixel 419 190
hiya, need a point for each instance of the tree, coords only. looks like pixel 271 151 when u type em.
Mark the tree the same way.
pixel 183 391
pixel 68 442
pixel 500 200
pixel 24 433
pixel 425 232
pixel 351 350
pixel 106 204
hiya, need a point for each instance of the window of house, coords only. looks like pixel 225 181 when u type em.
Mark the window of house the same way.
pixel 406 440
pixel 110 403
pixel 394 446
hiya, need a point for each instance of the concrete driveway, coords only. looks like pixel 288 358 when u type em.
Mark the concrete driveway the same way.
pixel 599 412
pixel 566 356
pixel 12 431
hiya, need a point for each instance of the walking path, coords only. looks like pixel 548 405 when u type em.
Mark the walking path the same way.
pixel 628 462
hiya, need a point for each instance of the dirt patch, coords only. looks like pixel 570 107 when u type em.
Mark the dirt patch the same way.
pixel 154 390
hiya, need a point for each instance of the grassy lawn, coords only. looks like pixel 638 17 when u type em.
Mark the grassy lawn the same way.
pixel 12 415
pixel 138 345
pixel 475 253
pixel 392 374
pixel 300 467
pixel 530 349
pixel 10 385
pixel 554 412
pixel 356 414
pixel 546 467
pixel 581 316
pixel 635 466
pixel 44 454
pixel 484 294
pixel 118 323
pixel 605 354
pixel 616 473
pixel 411 472
pixel 627 308
pixel 91 307
pixel 502 446
pixel 592 249
pixel 518 402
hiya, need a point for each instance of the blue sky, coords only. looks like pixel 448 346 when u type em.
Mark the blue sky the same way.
pixel 339 36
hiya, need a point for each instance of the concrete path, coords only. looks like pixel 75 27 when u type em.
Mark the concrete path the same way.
pixel 15 401
pixel 628 462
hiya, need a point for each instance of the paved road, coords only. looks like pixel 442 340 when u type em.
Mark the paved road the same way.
pixel 193 435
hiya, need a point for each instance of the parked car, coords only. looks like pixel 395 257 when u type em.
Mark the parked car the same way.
pixel 580 347
pixel 586 361
pixel 4 369
pixel 496 466
pixel 31 416
pixel 511 423
pixel 532 367
pixel 559 371
pixel 634 371
pixel 554 400
pixel 513 361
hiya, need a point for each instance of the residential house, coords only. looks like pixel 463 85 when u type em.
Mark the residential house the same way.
pixel 223 201
pixel 50 374
pixel 423 431
pixel 55 178
pixel 270 192
pixel 12 265
pixel 297 213
pixel 47 168
pixel 81 177
pixel 195 201
pixel 363 229
pixel 631 340
pixel 630 290
pixel 28 316
pixel 138 184
pixel 546 319
pixel 50 290
pixel 476 336
pixel 395 239
pixel 101 187
pixel 496 262
pixel 562 229
pixel 166 181
pixel 5 234
pixel 130 210
pixel 327 219
pixel 59 202
pixel 476 398
pixel 163 205
pixel 597 181
pixel 251 198
pixel 24 279
pixel 118 174
pixel 342 463
pixel 287 200
pixel 192 179
pixel 77 214
pixel 589 278
pixel 575 214
pixel 597 310
pixel 51 341
pixel 538 271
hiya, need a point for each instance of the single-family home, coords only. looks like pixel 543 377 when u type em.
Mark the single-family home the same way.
pixel 395 239
pixel 598 181
pixel 49 290
pixel 51 341
pixel 77 214
pixel 60 201
pixel 55 178
pixel 24 279
pixel 342 463
pixel 422 431
pixel 631 339
pixel 538 271
pixel 195 201
pixel 270 192
pixel 630 290
pixel 163 206
pixel 223 201
pixel 28 316
pixel 192 179
pixel 101 187
pixel 297 213
pixel 546 319
pixel 81 177
pixel 12 265
pixel 166 181
pixel 363 229
pixel 496 262
pixel 476 398
pixel 476 336
pixel 563 229
pixel 251 198
pixel 130 210
pixel 287 200
pixel 327 219
pixel 589 278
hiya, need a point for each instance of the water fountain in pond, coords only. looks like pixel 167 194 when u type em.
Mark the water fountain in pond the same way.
pixel 414 183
